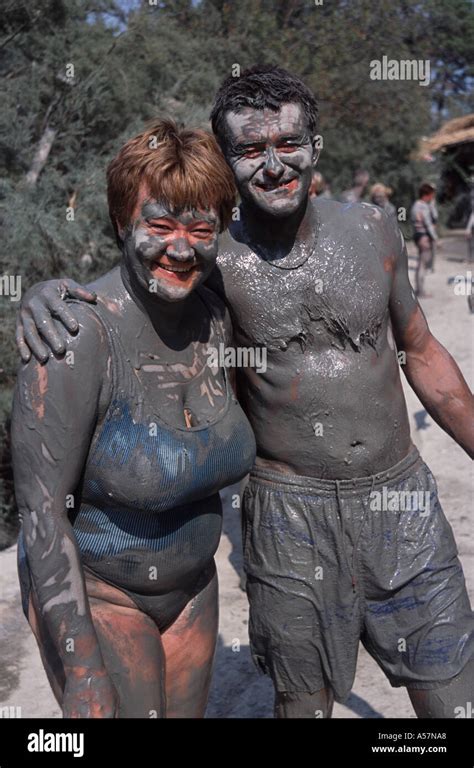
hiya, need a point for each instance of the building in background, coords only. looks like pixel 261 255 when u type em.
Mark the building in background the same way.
pixel 454 144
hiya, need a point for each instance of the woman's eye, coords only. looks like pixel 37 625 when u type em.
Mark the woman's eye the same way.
pixel 161 227
pixel 202 232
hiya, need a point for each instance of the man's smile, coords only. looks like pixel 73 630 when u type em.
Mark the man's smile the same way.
pixel 277 186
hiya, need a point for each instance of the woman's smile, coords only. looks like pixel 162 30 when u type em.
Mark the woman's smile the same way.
pixel 179 273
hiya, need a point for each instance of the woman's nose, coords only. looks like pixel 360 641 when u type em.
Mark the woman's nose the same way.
pixel 180 250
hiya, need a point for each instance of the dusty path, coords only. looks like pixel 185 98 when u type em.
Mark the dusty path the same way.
pixel 238 691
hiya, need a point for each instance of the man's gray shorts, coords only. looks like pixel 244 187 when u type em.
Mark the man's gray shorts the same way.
pixel 331 562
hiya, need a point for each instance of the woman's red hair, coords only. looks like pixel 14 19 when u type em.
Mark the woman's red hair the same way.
pixel 182 167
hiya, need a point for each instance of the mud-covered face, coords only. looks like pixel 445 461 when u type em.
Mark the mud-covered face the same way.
pixel 168 252
pixel 272 155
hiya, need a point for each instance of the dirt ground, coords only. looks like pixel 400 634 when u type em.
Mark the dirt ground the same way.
pixel 238 690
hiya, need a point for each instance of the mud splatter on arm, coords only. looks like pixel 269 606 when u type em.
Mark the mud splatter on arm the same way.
pixel 431 371
pixel 55 410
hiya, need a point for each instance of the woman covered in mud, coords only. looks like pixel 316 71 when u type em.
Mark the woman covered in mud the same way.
pixel 121 445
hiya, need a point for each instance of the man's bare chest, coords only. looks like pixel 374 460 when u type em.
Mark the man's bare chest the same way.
pixel 338 297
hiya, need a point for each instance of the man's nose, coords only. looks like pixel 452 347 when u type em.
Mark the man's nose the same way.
pixel 273 165
pixel 180 250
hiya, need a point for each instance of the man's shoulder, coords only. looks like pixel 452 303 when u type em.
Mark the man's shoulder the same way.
pixel 343 221
pixel 340 213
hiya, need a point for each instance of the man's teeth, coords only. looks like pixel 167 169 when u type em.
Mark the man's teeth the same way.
pixel 176 269
pixel 271 187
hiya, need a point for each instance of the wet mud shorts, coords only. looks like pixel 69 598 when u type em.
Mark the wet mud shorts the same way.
pixel 374 559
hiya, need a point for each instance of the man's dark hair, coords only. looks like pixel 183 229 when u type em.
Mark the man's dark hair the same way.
pixel 260 87
pixel 426 189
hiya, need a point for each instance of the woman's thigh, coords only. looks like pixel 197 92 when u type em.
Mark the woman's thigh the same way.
pixel 133 656
pixel 155 675
pixel 132 651
pixel 189 645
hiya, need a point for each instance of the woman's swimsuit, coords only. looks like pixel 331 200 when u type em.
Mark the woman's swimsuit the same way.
pixel 150 516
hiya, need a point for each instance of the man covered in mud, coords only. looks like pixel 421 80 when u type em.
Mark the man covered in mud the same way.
pixel 323 286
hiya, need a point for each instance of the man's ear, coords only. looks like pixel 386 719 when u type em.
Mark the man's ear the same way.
pixel 316 149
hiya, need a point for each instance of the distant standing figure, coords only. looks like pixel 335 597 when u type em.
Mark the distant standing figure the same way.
pixel 359 185
pixel 470 237
pixel 424 233
pixel 379 195
pixel 319 186
pixel 434 218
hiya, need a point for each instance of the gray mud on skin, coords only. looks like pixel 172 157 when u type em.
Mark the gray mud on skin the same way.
pixel 311 283
pixel 324 324
pixel 237 690
pixel 325 289
pixel 59 409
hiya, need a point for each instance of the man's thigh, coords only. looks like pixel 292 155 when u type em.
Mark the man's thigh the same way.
pixel 304 615
pixel 419 624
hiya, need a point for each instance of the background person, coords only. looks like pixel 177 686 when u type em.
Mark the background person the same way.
pixel 359 185
pixel 319 186
pixel 424 234
pixel 379 195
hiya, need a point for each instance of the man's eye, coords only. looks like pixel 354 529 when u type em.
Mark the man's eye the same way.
pixel 252 152
pixel 288 146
